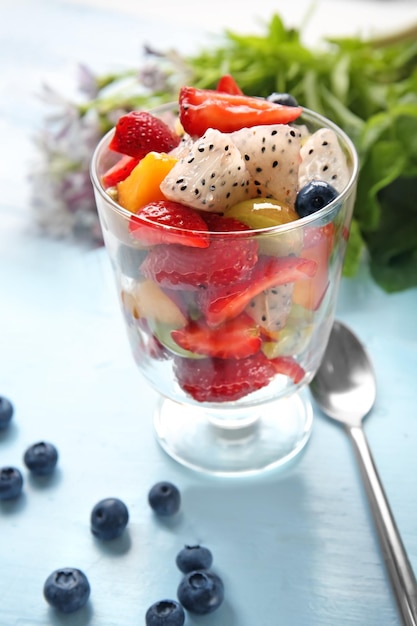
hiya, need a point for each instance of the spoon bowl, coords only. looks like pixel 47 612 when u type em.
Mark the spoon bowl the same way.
pixel 344 385
pixel 344 388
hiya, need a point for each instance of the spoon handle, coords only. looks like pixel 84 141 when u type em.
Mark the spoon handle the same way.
pixel 399 568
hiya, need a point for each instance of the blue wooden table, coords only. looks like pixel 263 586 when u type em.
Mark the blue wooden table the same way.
pixel 294 547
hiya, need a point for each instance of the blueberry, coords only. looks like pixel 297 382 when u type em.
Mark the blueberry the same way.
pixel 165 613
pixel 164 498
pixel 314 196
pixel 201 592
pixel 283 98
pixel 194 557
pixel 109 518
pixel 41 458
pixel 11 483
pixel 67 589
pixel 6 412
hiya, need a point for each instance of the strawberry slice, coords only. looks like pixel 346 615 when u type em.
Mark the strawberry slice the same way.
pixel 289 367
pixel 200 109
pixel 170 223
pixel 227 84
pixel 226 259
pixel 226 302
pixel 222 380
pixel 140 132
pixel 236 339
pixel 119 171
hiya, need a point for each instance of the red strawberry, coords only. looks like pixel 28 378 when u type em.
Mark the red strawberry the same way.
pixel 119 171
pixel 169 222
pixel 222 380
pixel 220 224
pixel 289 367
pixel 235 339
pixel 314 235
pixel 139 132
pixel 225 302
pixel 201 109
pixel 227 84
pixel 225 260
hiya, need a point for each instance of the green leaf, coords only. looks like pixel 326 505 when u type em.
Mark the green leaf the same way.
pixel 393 246
pixel 355 248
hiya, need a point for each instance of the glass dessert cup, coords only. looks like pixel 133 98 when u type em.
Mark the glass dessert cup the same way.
pixel 246 409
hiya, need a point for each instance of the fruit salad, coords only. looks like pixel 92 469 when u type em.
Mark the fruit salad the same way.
pixel 226 217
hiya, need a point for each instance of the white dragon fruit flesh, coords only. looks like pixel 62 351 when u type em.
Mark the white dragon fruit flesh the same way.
pixel 272 157
pixel 219 170
pixel 322 158
pixel 183 148
pixel 211 177
pixel 270 308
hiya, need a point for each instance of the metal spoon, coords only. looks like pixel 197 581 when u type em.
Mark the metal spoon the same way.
pixel 344 388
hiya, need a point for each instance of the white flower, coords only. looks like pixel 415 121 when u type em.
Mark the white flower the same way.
pixel 62 193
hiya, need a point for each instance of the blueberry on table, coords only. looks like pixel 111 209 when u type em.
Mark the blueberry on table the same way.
pixel 201 592
pixel 165 613
pixel 314 196
pixel 109 518
pixel 11 483
pixel 164 498
pixel 6 412
pixel 41 458
pixel 285 99
pixel 67 589
pixel 194 558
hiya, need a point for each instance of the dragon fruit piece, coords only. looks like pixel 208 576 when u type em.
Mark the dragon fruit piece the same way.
pixel 270 308
pixel 323 159
pixel 183 148
pixel 211 177
pixel 272 157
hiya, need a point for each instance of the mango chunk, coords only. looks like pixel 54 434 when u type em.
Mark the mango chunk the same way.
pixel 142 184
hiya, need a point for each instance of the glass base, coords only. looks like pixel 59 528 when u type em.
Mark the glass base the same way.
pixel 259 439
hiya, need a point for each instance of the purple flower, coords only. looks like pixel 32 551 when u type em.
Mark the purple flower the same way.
pixel 62 193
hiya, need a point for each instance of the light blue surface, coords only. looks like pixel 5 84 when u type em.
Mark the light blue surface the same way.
pixel 295 547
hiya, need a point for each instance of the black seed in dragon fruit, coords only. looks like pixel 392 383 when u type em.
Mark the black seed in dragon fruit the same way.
pixel 212 176
pixel 270 308
pixel 322 158
pixel 272 157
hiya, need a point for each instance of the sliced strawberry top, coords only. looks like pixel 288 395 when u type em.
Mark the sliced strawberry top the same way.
pixel 200 109
pixel 140 132
pixel 236 339
pixel 227 84
pixel 171 223
pixel 119 171
pixel 225 302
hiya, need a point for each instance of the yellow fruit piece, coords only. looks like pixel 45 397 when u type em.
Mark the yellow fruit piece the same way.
pixel 142 184
pixel 290 341
pixel 147 300
pixel 264 213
